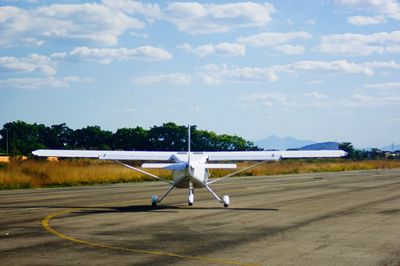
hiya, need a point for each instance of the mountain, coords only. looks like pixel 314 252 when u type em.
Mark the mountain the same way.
pixel 395 147
pixel 321 146
pixel 276 143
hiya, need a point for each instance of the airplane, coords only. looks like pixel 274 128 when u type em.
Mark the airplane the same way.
pixel 189 169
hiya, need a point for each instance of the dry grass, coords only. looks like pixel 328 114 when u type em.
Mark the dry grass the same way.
pixel 34 174
pixel 311 166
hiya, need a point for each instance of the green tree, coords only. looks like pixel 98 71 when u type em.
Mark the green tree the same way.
pixel 353 153
pixel 168 137
pixel 22 137
pixel 92 137
pixel 56 136
pixel 130 139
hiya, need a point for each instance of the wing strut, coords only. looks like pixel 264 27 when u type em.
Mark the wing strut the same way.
pixel 237 172
pixel 144 172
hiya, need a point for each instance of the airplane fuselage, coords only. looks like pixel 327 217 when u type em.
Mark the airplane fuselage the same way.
pixel 193 175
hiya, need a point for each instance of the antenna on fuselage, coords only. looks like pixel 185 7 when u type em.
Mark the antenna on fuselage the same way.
pixel 188 144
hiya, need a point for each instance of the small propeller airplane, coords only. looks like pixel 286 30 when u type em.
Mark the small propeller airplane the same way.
pixel 189 169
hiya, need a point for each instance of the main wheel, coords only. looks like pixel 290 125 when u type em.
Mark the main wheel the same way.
pixel 154 200
pixel 225 200
pixel 190 199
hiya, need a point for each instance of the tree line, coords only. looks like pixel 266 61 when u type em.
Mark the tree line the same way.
pixel 21 138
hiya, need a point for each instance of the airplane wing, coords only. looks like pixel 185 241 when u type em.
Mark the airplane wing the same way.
pixel 181 156
pixel 271 155
pixel 109 155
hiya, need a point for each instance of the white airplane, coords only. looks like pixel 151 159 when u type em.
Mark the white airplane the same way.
pixel 190 169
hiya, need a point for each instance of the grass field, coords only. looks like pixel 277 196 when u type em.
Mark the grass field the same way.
pixel 36 174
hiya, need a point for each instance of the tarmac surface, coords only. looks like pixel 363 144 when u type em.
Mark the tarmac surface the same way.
pixel 347 218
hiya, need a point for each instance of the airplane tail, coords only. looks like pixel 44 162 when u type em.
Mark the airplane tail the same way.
pixel 188 144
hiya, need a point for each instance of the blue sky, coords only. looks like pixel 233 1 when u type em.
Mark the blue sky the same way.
pixel 321 70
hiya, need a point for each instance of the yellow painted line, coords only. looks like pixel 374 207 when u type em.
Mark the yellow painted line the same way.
pixel 46 225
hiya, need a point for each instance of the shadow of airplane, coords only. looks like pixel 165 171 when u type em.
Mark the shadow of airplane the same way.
pixel 164 208
pixel 82 210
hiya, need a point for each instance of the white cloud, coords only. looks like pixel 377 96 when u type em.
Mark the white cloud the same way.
pixel 273 38
pixel 100 23
pixel 384 86
pixel 171 78
pixel 290 49
pixel 316 95
pixel 37 83
pixel 213 74
pixel 267 99
pixel 224 48
pixel 373 100
pixel 133 7
pixel 360 44
pixel 107 55
pixel 390 8
pixel 273 99
pixel 311 22
pixel 318 100
pixel 366 20
pixel 340 66
pixel 315 82
pixel 216 74
pixel 199 18
pixel 31 64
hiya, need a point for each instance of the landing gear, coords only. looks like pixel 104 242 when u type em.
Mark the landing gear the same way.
pixel 154 200
pixel 225 200
pixel 191 195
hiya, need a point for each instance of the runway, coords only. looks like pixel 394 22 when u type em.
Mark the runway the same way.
pixel 346 218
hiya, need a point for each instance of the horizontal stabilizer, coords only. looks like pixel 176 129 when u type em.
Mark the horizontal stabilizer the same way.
pixel 218 165
pixel 168 166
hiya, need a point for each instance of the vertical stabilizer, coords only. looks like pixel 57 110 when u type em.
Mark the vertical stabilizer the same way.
pixel 188 144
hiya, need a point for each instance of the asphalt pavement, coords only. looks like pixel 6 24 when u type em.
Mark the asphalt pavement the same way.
pixel 346 218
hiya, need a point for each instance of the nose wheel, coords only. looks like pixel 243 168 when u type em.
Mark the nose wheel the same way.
pixel 191 197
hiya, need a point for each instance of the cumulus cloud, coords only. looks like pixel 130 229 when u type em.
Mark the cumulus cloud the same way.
pixel 38 83
pixel 318 100
pixel 267 99
pixel 107 55
pixel 366 20
pixel 280 41
pixel 199 18
pixel 290 49
pixel 94 22
pixel 31 64
pixel 340 66
pixel 224 48
pixel 133 7
pixel 384 8
pixel 213 74
pixel 273 38
pixel 216 74
pixel 104 22
pixel 384 86
pixel 273 99
pixel 171 78
pixel 372 100
pixel 360 44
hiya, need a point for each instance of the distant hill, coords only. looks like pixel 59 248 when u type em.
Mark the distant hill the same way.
pixel 321 146
pixel 276 143
pixel 391 148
